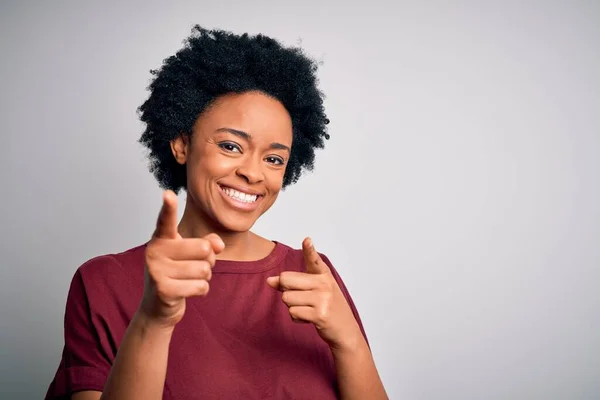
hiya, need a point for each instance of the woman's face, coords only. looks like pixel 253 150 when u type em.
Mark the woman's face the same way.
pixel 236 158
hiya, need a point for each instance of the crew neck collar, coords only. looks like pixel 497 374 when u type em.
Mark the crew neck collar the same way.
pixel 250 267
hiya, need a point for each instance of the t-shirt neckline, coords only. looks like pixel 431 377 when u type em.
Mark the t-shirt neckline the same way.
pixel 250 267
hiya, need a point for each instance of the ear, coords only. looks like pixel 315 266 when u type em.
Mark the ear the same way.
pixel 180 148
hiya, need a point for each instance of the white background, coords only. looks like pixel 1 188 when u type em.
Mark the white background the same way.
pixel 458 197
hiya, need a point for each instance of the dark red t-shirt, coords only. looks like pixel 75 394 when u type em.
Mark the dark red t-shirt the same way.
pixel 238 342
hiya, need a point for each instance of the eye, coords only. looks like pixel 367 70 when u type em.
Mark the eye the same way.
pixel 275 160
pixel 230 147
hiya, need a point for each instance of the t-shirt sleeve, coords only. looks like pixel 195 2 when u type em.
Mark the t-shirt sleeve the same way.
pixel 87 355
pixel 346 293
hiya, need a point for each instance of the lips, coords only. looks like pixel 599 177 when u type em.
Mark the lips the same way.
pixel 239 199
pixel 240 196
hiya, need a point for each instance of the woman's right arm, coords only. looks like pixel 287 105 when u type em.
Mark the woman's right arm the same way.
pixel 140 367
pixel 176 268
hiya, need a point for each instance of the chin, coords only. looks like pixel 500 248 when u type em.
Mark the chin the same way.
pixel 233 223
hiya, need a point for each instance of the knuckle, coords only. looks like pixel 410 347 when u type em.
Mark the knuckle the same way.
pixel 206 270
pixel 284 280
pixel 162 288
pixel 326 285
pixel 212 236
pixel 323 314
pixel 151 253
pixel 211 258
pixel 285 275
pixel 202 288
pixel 154 252
pixel 153 270
pixel 204 246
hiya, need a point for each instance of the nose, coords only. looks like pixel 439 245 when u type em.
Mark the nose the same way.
pixel 251 170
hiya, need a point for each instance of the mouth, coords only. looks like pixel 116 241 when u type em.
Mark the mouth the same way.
pixel 239 199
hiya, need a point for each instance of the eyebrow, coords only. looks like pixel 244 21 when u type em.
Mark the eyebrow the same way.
pixel 248 137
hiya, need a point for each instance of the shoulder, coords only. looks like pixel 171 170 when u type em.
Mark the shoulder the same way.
pixel 106 265
pixel 110 276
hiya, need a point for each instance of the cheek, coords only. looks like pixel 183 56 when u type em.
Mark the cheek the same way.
pixel 209 165
pixel 199 172
pixel 275 180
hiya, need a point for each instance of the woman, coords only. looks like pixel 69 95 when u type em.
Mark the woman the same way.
pixel 207 309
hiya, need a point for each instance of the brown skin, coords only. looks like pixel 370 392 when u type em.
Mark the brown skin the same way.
pixel 216 157
pixel 242 141
pixel 315 297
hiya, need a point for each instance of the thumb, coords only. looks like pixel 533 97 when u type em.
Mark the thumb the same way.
pixel 166 225
pixel 273 281
pixel 216 242
pixel 312 259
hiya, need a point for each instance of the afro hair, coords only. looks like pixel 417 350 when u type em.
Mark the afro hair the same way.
pixel 216 62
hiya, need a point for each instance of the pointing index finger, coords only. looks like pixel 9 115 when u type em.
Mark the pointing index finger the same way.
pixel 166 225
pixel 312 259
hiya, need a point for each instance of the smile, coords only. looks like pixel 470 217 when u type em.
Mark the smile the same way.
pixel 240 200
pixel 239 196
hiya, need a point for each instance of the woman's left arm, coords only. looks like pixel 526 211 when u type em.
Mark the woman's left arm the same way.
pixel 357 375
pixel 316 297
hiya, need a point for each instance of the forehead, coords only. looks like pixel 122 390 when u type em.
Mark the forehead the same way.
pixel 260 115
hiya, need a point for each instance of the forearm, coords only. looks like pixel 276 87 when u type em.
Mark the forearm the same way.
pixel 356 372
pixel 140 367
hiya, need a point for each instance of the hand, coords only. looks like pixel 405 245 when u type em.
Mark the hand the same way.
pixel 315 297
pixel 175 268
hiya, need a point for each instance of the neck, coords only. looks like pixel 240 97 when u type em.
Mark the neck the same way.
pixel 238 245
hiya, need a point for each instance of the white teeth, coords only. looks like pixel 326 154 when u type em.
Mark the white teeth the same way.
pixel 239 196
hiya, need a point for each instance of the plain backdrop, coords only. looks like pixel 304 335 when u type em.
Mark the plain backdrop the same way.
pixel 458 196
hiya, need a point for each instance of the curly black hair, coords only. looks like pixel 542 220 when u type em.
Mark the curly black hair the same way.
pixel 216 62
